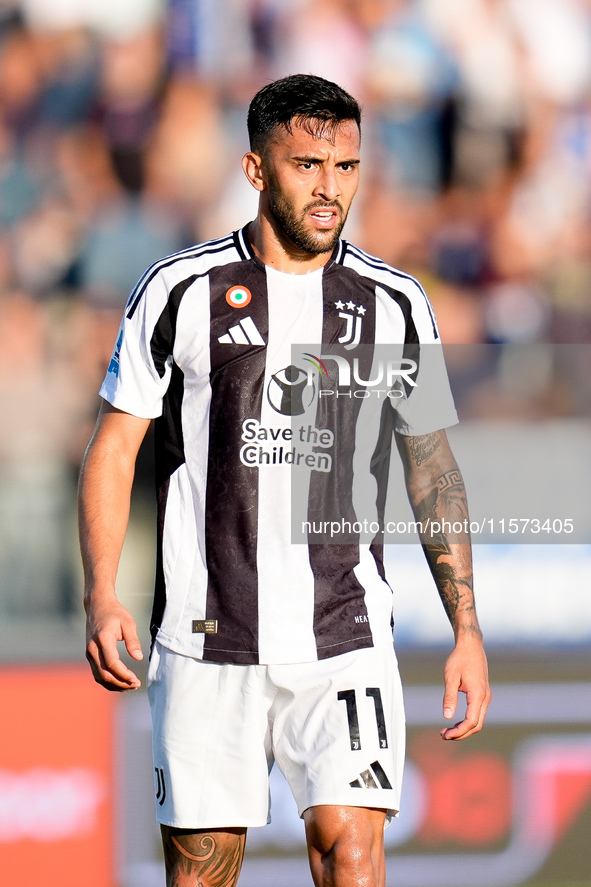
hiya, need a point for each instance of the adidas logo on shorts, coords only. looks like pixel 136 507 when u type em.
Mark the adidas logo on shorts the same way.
pixel 367 779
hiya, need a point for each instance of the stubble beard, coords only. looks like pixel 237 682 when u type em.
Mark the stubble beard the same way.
pixel 293 225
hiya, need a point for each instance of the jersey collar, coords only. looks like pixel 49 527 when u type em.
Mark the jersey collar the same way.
pixel 246 250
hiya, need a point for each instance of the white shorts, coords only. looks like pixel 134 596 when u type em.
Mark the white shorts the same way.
pixel 334 727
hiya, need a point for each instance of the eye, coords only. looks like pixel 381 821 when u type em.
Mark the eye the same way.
pixel 307 164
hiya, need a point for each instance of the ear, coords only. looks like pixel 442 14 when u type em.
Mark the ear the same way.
pixel 252 165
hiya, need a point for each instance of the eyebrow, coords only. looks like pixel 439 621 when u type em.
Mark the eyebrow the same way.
pixel 313 158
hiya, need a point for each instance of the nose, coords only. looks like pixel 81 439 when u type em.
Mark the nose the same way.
pixel 328 186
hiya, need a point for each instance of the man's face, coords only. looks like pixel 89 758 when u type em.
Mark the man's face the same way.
pixel 310 182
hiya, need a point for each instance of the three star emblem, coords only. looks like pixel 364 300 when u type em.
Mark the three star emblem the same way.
pixel 351 306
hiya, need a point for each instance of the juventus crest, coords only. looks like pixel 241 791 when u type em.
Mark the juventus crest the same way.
pixel 353 318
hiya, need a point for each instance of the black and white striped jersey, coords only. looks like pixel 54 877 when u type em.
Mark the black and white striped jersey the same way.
pixel 256 379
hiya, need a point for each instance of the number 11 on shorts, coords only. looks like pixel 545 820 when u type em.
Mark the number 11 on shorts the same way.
pixel 350 699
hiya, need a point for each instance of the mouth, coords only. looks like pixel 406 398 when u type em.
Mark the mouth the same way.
pixel 324 218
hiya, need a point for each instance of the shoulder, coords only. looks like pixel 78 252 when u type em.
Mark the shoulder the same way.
pixel 188 264
pixel 391 285
pixel 376 269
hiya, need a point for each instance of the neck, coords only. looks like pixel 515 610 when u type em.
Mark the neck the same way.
pixel 274 249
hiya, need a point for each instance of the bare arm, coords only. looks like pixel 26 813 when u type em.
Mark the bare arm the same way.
pixel 437 495
pixel 104 497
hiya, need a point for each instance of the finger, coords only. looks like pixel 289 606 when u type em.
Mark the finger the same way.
pixel 461 730
pixel 472 722
pixel 101 676
pixel 119 672
pixel 450 700
pixel 484 709
pixel 108 664
pixel 481 702
pixel 107 678
pixel 132 642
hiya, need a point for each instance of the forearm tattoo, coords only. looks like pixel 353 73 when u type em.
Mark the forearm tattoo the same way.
pixel 451 587
pixel 203 859
pixel 443 507
pixel 445 501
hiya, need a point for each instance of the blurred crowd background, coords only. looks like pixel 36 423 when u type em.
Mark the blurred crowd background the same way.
pixel 122 124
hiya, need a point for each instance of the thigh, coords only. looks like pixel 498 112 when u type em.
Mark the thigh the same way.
pixel 194 858
pixel 210 742
pixel 339 732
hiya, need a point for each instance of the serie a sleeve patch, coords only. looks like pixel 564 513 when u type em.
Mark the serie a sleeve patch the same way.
pixel 205 626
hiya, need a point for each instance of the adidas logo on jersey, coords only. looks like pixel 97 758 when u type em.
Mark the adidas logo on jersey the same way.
pixel 243 333
pixel 367 779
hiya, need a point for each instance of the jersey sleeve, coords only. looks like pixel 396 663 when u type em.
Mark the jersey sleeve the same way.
pixel 428 405
pixel 139 371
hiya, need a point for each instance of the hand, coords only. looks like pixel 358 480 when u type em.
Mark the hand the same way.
pixel 107 623
pixel 466 671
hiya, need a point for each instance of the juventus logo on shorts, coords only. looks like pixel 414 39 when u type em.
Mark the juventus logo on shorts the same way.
pixel 160 785
pixel 366 778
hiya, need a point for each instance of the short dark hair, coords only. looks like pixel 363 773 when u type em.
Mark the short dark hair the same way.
pixel 299 98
